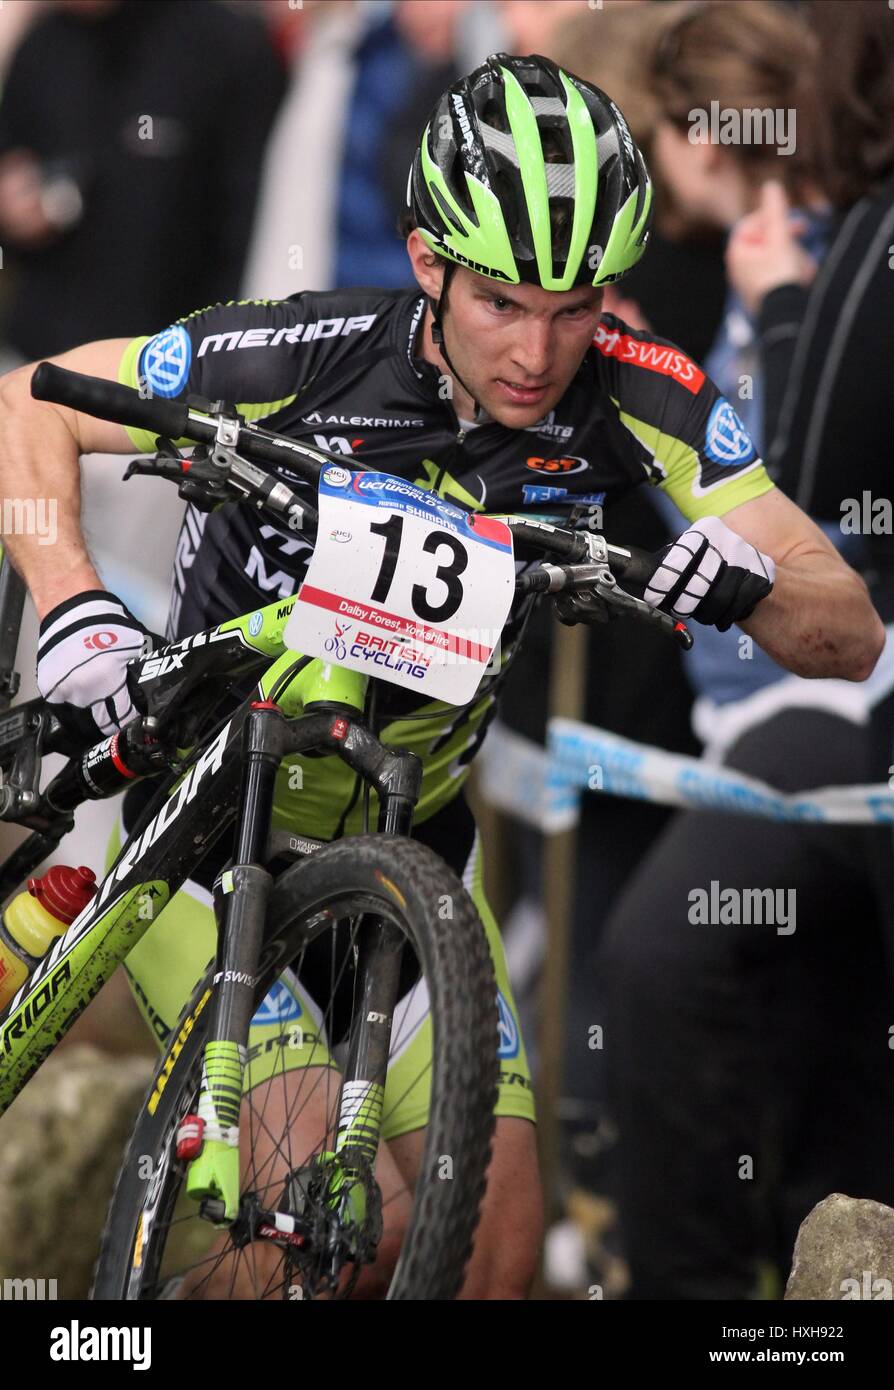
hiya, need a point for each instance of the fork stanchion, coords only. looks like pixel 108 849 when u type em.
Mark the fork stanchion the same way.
pixel 567 692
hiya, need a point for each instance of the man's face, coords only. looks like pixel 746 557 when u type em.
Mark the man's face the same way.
pixel 516 347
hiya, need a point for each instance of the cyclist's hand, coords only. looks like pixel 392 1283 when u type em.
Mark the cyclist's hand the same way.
pixel 710 574
pixel 83 649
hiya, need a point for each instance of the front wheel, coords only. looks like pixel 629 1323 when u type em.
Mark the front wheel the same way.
pixel 157 1245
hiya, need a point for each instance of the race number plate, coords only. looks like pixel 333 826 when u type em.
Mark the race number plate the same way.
pixel 403 586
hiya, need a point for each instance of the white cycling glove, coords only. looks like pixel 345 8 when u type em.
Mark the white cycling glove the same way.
pixel 710 574
pixel 83 649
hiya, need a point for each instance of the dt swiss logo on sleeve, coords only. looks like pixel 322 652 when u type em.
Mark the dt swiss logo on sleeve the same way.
pixel 726 439
pixel 655 357
pixel 165 361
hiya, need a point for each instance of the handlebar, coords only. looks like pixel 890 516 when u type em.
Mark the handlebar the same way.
pixel 109 400
pixel 588 576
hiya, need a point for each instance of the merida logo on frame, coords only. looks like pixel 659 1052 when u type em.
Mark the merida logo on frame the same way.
pixel 77 1343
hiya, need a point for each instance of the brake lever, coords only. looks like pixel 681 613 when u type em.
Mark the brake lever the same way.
pixel 198 479
pixel 596 602
pixel 591 592
pixel 612 595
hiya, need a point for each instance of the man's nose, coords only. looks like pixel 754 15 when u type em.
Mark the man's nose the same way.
pixel 532 354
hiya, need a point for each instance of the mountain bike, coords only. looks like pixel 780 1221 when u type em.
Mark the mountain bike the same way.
pixel 206 1191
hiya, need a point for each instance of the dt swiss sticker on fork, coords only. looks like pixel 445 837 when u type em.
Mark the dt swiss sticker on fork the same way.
pixel 403 586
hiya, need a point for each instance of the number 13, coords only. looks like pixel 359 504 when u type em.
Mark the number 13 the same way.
pixel 448 574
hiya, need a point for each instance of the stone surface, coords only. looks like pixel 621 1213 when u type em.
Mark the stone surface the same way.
pixel 844 1250
pixel 61 1143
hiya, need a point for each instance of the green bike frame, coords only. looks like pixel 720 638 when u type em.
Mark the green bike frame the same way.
pixel 159 856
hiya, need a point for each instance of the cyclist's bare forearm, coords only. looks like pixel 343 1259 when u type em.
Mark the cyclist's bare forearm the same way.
pixel 40 448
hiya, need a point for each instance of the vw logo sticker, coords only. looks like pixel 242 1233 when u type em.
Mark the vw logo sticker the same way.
pixel 165 361
pixel 509 1039
pixel 279 1006
pixel 726 439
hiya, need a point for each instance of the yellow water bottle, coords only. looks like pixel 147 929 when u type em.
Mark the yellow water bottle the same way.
pixel 34 918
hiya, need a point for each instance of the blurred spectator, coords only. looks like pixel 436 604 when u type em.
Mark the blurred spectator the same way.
pixel 336 169
pixel 131 134
pixel 829 410
pixel 16 17
pixel 677 289
pixel 533 28
pixel 723 1048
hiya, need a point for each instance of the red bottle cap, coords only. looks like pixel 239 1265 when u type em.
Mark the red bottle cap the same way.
pixel 64 891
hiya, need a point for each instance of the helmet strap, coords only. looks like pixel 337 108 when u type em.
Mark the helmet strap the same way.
pixel 437 330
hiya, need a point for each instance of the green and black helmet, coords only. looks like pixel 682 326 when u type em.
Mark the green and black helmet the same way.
pixel 527 173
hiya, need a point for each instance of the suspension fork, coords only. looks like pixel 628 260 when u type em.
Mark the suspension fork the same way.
pixel 380 952
pixel 396 777
pixel 240 905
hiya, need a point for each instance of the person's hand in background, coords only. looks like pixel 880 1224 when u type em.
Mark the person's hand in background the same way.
pixel 23 215
pixel 763 251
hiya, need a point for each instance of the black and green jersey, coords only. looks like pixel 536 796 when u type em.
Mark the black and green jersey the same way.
pixel 338 369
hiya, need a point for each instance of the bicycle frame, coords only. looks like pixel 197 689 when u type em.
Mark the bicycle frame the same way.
pixel 298 705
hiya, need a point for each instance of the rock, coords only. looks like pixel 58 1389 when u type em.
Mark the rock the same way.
pixel 844 1250
pixel 61 1143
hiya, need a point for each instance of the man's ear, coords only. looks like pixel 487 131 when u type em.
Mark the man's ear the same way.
pixel 427 267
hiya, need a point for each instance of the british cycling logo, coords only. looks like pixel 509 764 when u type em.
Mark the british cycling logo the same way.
pixel 336 644
pixel 279 1006
pixel 509 1039
pixel 726 439
pixel 396 654
pixel 165 361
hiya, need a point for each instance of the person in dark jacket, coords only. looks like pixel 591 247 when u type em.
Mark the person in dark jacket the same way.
pixel 131 139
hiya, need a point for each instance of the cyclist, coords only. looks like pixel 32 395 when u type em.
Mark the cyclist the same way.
pixel 502 385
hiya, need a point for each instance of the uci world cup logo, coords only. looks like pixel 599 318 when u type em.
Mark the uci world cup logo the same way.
pixel 335 645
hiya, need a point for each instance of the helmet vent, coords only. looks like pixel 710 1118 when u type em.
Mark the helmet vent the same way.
pixel 560 180
pixel 447 212
pixel 548 106
pixel 500 142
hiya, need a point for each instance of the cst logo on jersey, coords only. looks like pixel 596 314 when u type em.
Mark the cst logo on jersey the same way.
pixel 570 463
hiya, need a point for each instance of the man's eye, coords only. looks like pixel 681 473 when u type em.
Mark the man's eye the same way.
pixel 499 303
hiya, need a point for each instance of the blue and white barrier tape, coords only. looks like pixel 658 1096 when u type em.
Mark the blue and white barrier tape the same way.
pixel 542 786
